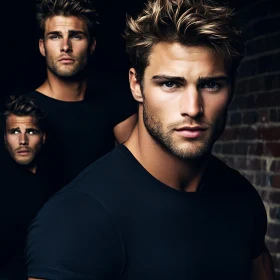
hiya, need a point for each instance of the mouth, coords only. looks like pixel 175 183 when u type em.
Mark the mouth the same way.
pixel 191 132
pixel 23 152
pixel 66 60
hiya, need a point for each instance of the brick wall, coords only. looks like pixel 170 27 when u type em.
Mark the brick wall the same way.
pixel 251 141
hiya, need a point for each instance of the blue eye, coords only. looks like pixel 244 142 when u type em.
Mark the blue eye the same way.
pixel 210 86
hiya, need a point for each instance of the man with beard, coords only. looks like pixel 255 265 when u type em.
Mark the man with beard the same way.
pixel 84 121
pixel 22 191
pixel 160 206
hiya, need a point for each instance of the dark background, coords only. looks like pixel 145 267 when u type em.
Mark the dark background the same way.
pixel 251 141
pixel 23 68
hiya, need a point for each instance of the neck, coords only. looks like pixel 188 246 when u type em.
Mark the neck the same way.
pixel 32 169
pixel 177 173
pixel 63 89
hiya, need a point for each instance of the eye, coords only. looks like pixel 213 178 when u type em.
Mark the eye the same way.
pixel 210 86
pixel 78 37
pixel 54 37
pixel 169 85
pixel 32 132
pixel 15 132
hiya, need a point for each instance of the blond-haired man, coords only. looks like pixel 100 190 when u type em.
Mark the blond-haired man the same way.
pixel 161 206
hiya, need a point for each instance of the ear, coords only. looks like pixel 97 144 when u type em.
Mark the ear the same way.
pixel 42 47
pixel 44 138
pixel 92 46
pixel 135 86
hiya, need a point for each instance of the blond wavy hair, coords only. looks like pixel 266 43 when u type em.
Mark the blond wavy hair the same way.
pixel 83 9
pixel 188 22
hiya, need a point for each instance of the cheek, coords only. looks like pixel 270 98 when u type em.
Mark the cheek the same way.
pixel 11 141
pixel 215 108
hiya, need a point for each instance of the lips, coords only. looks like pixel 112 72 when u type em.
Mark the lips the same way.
pixel 191 132
pixel 66 58
pixel 23 152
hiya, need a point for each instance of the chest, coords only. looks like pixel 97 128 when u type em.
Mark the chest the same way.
pixel 197 240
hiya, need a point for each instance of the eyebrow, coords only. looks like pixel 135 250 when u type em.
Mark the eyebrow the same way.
pixel 158 78
pixel 32 129
pixel 178 79
pixel 220 78
pixel 13 129
pixel 70 32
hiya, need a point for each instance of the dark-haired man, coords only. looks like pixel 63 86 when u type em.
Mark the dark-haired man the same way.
pixel 22 191
pixel 161 206
pixel 85 117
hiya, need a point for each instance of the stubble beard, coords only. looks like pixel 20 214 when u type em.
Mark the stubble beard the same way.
pixel 69 71
pixel 196 150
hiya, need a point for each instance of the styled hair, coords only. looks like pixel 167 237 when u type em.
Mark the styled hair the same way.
pixel 83 9
pixel 188 22
pixel 22 106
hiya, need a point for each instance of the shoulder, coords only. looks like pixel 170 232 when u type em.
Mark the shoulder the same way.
pixel 99 179
pixel 76 223
pixel 230 179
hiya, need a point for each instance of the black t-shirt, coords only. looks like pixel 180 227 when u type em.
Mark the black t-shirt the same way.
pixel 79 132
pixel 22 194
pixel 116 221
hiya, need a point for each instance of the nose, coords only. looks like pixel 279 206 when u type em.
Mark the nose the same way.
pixel 23 139
pixel 191 103
pixel 66 45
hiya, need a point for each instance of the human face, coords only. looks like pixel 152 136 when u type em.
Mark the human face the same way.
pixel 184 98
pixel 23 139
pixel 66 45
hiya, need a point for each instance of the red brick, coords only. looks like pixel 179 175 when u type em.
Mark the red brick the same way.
pixel 273 230
pixel 274 114
pixel 263 116
pixel 273 196
pixel 228 149
pixel 276 181
pixel 272 149
pixel 250 117
pixel 228 134
pixel 273 245
pixel 275 166
pixel 240 163
pixel 274 213
pixel 263 179
pixel 256 149
pixel 269 133
pixel 245 133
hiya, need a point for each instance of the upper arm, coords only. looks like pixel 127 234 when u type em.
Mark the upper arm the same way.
pixel 123 130
pixel 262 267
pixel 73 237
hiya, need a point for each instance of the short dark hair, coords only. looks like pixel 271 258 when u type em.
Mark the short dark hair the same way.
pixel 83 9
pixel 188 22
pixel 23 105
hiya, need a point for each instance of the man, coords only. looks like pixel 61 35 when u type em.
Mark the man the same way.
pixel 24 136
pixel 84 120
pixel 22 191
pixel 161 206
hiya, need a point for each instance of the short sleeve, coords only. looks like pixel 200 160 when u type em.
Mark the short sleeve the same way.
pixel 73 237
pixel 260 226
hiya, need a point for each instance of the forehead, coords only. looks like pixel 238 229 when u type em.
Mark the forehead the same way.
pixel 175 59
pixel 65 23
pixel 20 121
